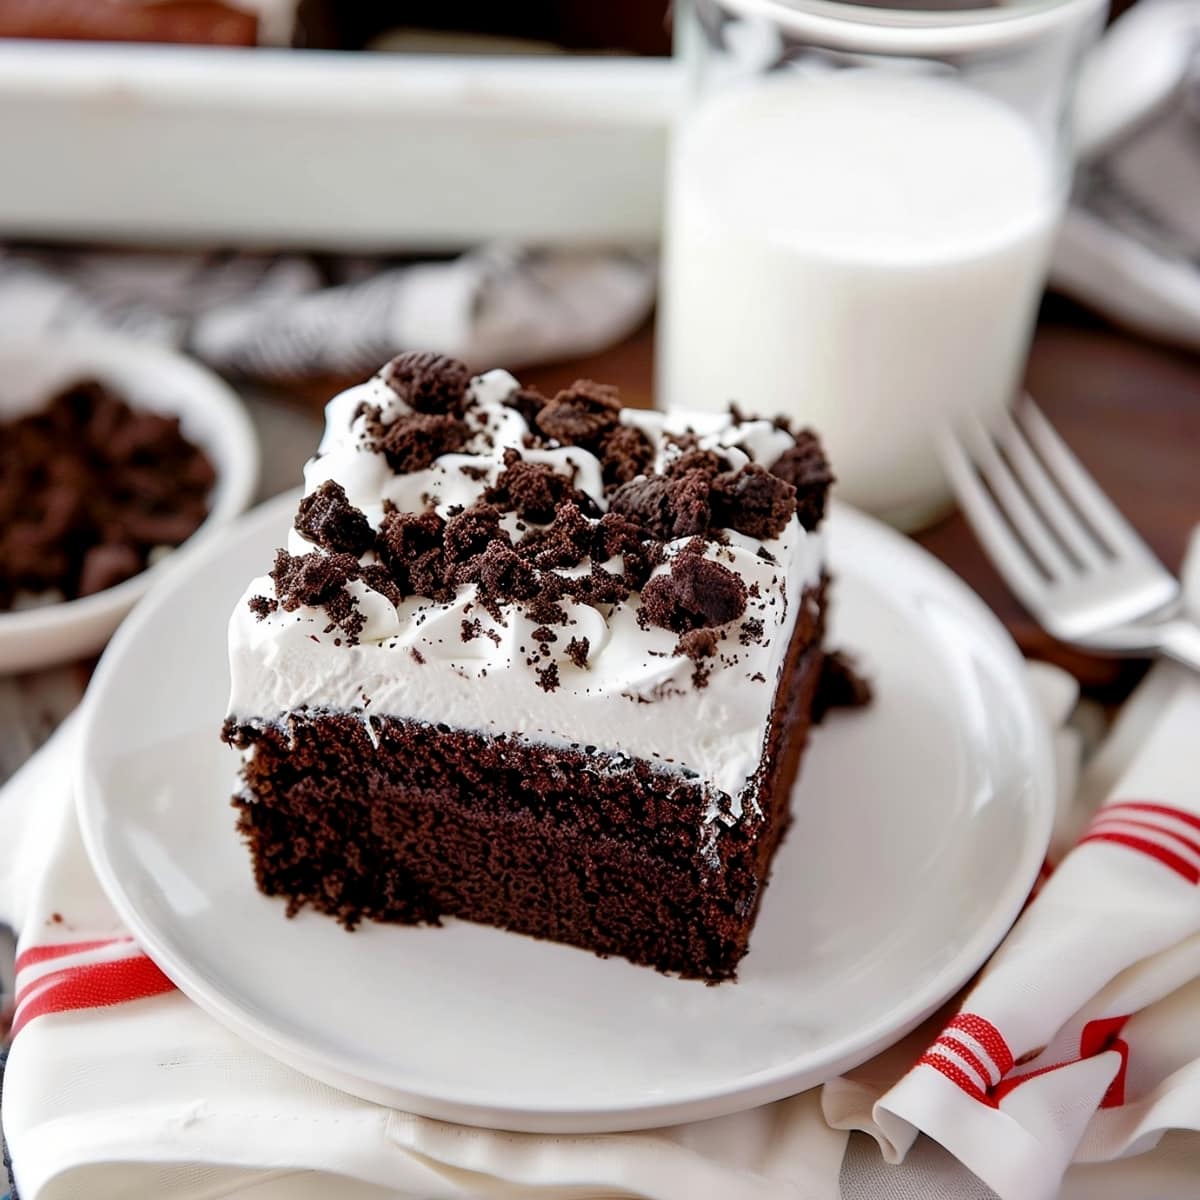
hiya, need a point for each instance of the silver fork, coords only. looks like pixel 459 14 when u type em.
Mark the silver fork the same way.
pixel 1072 559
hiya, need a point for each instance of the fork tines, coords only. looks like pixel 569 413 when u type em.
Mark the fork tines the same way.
pixel 1058 540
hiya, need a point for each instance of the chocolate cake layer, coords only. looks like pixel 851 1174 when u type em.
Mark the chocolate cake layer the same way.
pixel 412 822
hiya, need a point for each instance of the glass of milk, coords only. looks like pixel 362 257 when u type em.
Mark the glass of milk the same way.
pixel 862 202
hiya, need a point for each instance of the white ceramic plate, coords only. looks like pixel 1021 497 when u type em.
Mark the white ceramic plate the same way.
pixel 921 824
pixel 32 370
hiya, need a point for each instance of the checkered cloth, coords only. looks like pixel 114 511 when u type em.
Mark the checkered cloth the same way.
pixel 291 317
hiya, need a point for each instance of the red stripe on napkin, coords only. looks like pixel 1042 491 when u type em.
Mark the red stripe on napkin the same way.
pixel 1096 1037
pixel 1101 1035
pixel 965 1053
pixel 1146 806
pixel 988 1036
pixel 1118 822
pixel 37 954
pixel 1168 858
pixel 94 985
pixel 956 1075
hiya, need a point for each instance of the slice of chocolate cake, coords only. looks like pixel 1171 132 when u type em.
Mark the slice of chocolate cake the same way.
pixel 547 664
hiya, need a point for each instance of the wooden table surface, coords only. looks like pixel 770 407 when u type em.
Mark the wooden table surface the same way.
pixel 1129 408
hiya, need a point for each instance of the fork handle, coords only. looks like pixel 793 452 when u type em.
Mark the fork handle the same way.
pixel 1180 640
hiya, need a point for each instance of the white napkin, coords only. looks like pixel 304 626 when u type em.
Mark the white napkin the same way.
pixel 108 1095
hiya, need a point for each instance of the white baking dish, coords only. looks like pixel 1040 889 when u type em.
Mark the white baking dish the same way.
pixel 344 151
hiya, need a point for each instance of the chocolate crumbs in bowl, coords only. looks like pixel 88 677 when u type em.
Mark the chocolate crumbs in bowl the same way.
pixel 90 489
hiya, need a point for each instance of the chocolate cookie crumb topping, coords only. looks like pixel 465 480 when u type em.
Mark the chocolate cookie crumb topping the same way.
pixel 666 508
pixel 377 577
pixel 577 651
pixel 504 577
pixel 707 461
pixel 565 542
pixel 528 402
pixel 413 441
pixel 471 531
pixel 317 580
pixel 805 467
pixel 580 415
pixel 262 606
pixel 625 454
pixel 697 644
pixel 752 631
pixel 754 502
pixel 532 490
pixel 327 518
pixel 697 593
pixel 310 580
pixel 616 534
pixel 428 382
pixel 410 545
pixel 547 677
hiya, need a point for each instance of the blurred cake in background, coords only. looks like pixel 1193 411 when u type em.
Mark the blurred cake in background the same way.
pixel 423 26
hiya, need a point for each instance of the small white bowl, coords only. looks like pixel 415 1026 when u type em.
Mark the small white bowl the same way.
pixel 32 371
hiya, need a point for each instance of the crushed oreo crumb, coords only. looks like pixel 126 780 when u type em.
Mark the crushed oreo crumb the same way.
pixel 410 545
pixel 625 453
pixel 327 518
pixel 470 532
pixel 806 468
pixel 262 606
pixel 547 677
pixel 413 441
pixel 528 402
pixel 617 534
pixel 532 490
pixel 309 580
pixel 708 461
pixel 666 508
pixel 89 487
pixel 428 382
pixel 565 542
pixel 581 415
pixel 577 651
pixel 752 631
pixel 840 685
pixel 754 502
pixel 472 629
pixel 503 577
pixel 317 580
pixel 379 579
pixel 696 593
pixel 697 644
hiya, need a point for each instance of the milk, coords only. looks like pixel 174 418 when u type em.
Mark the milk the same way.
pixel 862 251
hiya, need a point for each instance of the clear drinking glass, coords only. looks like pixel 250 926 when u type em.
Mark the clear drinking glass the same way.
pixel 861 208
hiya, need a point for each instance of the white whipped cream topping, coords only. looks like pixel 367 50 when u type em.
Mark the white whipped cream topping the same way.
pixel 634 696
